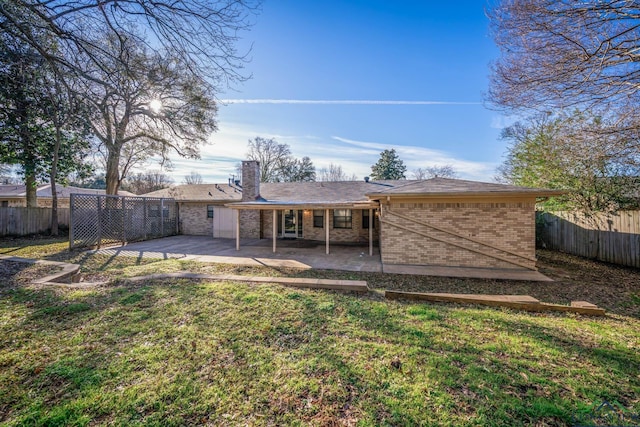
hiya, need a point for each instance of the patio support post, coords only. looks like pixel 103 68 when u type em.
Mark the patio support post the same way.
pixel 371 222
pixel 237 229
pixel 326 228
pixel 274 228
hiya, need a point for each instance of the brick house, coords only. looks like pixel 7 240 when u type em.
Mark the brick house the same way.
pixel 435 222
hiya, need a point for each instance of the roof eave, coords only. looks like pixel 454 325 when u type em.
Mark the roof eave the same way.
pixel 467 194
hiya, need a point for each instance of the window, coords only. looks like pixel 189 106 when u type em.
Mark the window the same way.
pixel 318 218
pixel 5 203
pixel 209 211
pixel 365 220
pixel 342 218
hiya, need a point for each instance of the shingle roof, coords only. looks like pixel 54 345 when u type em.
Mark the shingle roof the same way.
pixel 200 192
pixel 449 187
pixel 342 192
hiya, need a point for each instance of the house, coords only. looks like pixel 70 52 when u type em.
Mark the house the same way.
pixel 436 222
pixel 16 195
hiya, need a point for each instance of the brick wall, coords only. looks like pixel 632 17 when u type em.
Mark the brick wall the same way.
pixel 194 221
pixel 507 225
pixel 250 224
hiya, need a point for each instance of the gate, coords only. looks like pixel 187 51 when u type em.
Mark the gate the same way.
pixel 96 220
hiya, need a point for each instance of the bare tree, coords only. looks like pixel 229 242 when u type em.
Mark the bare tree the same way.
pixel 335 173
pixel 146 106
pixel 130 53
pixel 201 33
pixel 446 171
pixel 565 53
pixel 193 178
pixel 146 182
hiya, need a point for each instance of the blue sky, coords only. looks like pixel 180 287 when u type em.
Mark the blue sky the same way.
pixel 417 72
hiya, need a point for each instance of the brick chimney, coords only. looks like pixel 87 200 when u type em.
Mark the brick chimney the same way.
pixel 250 180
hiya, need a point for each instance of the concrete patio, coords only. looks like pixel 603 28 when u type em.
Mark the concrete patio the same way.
pixel 298 253
pixel 290 253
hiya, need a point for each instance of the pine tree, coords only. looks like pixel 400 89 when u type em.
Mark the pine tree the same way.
pixel 389 166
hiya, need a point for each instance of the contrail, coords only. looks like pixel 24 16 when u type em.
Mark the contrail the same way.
pixel 341 102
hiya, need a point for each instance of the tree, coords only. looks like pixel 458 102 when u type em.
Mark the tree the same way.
pixel 556 54
pixel 389 166
pixel 202 33
pixel 146 105
pixel 296 170
pixel 190 43
pixel 270 154
pixel 335 173
pixel 39 128
pixel 146 182
pixel 573 152
pixel 277 164
pixel 446 171
pixel 193 178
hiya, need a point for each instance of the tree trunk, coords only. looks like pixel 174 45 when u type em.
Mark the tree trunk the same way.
pixel 53 177
pixel 112 175
pixel 32 197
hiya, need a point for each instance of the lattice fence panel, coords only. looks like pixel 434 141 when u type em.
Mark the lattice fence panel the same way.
pixel 98 220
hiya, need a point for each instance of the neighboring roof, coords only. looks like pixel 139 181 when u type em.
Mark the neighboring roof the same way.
pixel 200 193
pixel 458 187
pixel 44 191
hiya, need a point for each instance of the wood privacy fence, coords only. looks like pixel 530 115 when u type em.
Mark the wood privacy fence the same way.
pixel 19 221
pixel 613 238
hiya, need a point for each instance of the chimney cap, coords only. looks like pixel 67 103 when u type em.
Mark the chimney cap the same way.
pixel 366 179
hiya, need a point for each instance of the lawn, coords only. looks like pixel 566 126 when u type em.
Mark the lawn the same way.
pixel 177 352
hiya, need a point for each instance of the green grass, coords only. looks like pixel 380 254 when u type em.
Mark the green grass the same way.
pixel 176 352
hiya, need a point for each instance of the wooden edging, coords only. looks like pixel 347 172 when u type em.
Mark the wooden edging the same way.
pixel 510 301
pixel 339 285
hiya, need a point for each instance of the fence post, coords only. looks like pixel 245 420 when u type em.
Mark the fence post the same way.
pixel 162 217
pixel 124 220
pixel 72 199
pixel 99 221
pixel 144 216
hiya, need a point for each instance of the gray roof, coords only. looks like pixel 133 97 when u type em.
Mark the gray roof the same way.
pixel 453 187
pixel 200 193
pixel 20 190
pixel 342 192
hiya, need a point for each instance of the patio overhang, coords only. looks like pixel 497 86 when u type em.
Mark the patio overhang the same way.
pixel 275 206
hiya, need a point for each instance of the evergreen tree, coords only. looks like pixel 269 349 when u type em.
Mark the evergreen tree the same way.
pixel 389 166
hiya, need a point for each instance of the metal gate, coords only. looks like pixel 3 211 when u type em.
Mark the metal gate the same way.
pixel 97 220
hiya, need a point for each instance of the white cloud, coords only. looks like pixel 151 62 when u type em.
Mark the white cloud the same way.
pixel 229 145
pixel 415 157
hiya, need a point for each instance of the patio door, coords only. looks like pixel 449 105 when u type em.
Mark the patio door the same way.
pixel 291 223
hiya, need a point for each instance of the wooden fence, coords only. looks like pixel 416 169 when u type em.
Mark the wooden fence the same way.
pixel 613 238
pixel 25 221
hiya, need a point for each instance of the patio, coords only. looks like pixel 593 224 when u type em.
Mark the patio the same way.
pixel 289 253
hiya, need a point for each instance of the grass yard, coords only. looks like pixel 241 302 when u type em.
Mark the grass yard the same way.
pixel 176 352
